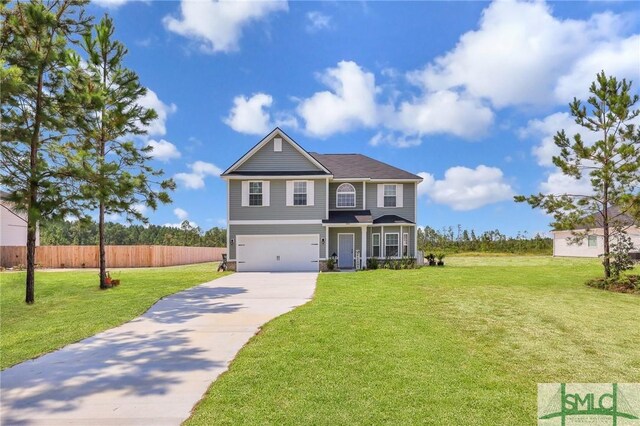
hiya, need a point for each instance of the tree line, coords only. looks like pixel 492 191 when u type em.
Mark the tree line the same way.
pixel 459 240
pixel 72 118
pixel 87 233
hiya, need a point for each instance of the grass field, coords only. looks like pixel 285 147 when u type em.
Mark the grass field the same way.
pixel 464 344
pixel 69 306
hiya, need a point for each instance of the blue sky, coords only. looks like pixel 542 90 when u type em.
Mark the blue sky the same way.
pixel 468 94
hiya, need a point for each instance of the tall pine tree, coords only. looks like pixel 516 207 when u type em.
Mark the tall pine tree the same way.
pixel 113 169
pixel 34 41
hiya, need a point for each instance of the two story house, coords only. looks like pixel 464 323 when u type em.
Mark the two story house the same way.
pixel 291 210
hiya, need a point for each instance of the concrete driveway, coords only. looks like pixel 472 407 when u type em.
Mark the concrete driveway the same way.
pixel 152 370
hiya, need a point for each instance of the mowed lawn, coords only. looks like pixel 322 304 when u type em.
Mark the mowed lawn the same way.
pixel 70 306
pixel 464 344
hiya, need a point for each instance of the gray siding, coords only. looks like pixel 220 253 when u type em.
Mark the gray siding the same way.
pixel 278 209
pixel 333 238
pixel 333 186
pixel 235 230
pixel 409 229
pixel 409 200
pixel 267 160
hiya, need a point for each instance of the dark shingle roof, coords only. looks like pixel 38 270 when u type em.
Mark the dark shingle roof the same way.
pixel 280 173
pixel 360 166
pixel 349 216
pixel 390 219
pixel 596 219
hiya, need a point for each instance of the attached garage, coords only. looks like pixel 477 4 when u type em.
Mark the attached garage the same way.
pixel 277 253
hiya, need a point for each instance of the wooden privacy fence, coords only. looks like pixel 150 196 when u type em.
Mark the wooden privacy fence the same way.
pixel 117 256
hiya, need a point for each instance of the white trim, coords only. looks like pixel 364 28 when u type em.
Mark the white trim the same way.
pixel 363 247
pixel 326 243
pixel 326 213
pixel 353 242
pixel 277 235
pixel 383 250
pixel 396 180
pixel 266 140
pixel 364 195
pixel 311 193
pixel 276 222
pixel 276 177
pixel 228 222
pixel 277 144
pixel 405 240
pixel 379 245
pixel 266 193
pixel 348 192
pixel 342 225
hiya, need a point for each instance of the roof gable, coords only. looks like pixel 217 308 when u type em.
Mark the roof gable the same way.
pixel 263 158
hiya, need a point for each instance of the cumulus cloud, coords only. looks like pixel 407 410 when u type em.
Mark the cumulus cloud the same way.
pixel 199 171
pixel 317 21
pixel 181 214
pixel 394 139
pixel 110 4
pixel 558 183
pixel 444 112
pixel 519 53
pixel 163 150
pixel 217 25
pixel 349 104
pixel 140 208
pixel 466 189
pixel 250 115
pixel 158 126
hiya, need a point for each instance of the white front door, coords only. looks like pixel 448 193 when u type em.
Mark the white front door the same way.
pixel 277 253
pixel 345 250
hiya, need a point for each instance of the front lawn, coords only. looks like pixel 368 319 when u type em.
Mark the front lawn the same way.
pixel 464 344
pixel 69 306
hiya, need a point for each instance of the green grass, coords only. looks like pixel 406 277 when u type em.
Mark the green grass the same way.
pixel 69 306
pixel 464 344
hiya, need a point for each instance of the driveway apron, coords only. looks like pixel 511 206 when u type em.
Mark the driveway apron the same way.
pixel 153 369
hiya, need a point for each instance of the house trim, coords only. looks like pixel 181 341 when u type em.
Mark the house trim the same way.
pixel 277 222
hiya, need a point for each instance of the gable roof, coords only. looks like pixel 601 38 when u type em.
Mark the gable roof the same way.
pixel 360 166
pixel 275 132
pixel 596 220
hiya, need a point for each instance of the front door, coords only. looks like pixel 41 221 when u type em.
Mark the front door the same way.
pixel 345 251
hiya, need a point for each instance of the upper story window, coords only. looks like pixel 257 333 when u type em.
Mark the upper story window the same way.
pixel 255 193
pixel 346 195
pixel 390 195
pixel 300 193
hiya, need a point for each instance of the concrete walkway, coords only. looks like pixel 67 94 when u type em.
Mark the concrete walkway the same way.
pixel 152 370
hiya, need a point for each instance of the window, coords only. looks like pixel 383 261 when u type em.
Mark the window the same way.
pixel 389 195
pixel 391 245
pixel 300 193
pixel 255 193
pixel 592 240
pixel 375 244
pixel 346 195
pixel 405 244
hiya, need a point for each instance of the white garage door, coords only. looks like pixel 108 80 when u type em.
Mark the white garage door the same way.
pixel 277 253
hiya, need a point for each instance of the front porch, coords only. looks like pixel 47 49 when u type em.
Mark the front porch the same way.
pixel 357 238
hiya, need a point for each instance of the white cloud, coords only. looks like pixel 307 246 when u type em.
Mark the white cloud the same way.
pixel 217 25
pixel 179 224
pixel 199 171
pixel 348 105
pixel 140 208
pixel 394 139
pixel 558 183
pixel 249 115
pixel 150 100
pixel 110 4
pixel 519 52
pixel 444 112
pixel 163 150
pixel 466 189
pixel 317 21
pixel 112 217
pixel 181 214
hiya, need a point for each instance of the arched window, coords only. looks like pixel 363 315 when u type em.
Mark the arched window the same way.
pixel 346 195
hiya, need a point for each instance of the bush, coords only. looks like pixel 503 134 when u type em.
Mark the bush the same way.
pixel 331 264
pixel 372 263
pixel 431 258
pixel 621 284
pixel 440 257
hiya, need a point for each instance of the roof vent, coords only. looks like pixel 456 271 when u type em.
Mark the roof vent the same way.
pixel 277 145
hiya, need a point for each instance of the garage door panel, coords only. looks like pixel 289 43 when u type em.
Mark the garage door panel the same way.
pixel 277 253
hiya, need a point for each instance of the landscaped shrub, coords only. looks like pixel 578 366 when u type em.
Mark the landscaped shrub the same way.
pixel 622 284
pixel 331 264
pixel 372 263
pixel 440 257
pixel 431 258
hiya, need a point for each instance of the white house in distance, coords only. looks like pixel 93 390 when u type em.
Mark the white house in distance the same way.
pixel 13 225
pixel 593 243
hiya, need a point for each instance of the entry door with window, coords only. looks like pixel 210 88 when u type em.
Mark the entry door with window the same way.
pixel 345 251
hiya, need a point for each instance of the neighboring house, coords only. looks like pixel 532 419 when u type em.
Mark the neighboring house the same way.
pixel 291 210
pixel 593 243
pixel 13 225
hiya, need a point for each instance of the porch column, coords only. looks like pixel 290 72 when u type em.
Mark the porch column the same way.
pixel 363 248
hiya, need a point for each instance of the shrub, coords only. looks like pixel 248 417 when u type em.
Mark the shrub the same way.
pixel 331 264
pixel 622 284
pixel 372 263
pixel 431 258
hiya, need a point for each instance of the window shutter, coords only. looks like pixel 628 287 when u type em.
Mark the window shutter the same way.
pixel 380 195
pixel 310 192
pixel 399 195
pixel 245 193
pixel 266 193
pixel 289 193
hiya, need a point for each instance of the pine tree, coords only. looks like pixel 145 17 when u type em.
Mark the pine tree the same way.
pixel 612 165
pixel 113 169
pixel 34 41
